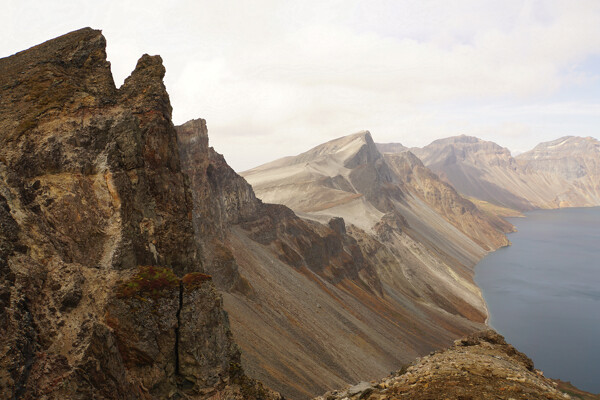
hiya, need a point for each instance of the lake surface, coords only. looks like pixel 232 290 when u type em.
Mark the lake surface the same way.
pixel 543 292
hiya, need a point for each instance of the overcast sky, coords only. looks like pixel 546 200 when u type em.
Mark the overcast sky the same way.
pixel 274 78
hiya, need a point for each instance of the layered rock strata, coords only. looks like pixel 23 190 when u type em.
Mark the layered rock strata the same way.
pixel 101 287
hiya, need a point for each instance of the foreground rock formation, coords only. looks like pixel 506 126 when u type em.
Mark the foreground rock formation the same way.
pixel 561 173
pixel 480 366
pixel 102 291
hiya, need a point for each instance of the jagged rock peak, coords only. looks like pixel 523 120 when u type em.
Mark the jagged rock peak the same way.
pixel 145 84
pixel 193 133
pixel 351 150
pixel 71 71
pixel 102 293
pixel 84 49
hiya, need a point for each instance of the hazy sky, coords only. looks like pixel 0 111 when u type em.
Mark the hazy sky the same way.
pixel 274 78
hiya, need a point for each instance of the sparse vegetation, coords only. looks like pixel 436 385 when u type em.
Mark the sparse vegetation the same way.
pixel 149 281
pixel 194 280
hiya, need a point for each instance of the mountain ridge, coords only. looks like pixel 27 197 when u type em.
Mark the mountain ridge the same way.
pixel 337 264
pixel 539 178
pixel 102 290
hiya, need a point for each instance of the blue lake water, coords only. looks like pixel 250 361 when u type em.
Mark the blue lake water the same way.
pixel 543 292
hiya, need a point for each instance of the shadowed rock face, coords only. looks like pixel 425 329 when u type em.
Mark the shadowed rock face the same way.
pixel 222 199
pixel 97 247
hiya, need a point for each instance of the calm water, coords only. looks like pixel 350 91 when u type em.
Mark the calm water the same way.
pixel 543 292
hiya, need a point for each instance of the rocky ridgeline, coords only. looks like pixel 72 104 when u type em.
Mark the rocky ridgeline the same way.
pixel 223 199
pixel 560 173
pixel 102 291
pixel 486 230
pixel 480 366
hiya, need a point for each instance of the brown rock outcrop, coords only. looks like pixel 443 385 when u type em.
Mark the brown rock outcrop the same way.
pixel 91 188
pixel 480 366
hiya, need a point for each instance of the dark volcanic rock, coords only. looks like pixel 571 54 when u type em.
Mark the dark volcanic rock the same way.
pixel 91 195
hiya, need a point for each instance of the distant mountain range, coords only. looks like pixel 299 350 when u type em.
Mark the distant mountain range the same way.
pixel 561 173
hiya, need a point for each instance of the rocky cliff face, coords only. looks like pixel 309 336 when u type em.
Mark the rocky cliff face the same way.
pixel 561 173
pixel 575 160
pixel 101 287
pixel 480 366
pixel 486 230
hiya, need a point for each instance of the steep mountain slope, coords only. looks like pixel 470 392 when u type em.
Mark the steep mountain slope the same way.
pixel 574 159
pixel 326 304
pixel 342 176
pixel 444 199
pixel 486 171
pixel 421 258
pixel 102 293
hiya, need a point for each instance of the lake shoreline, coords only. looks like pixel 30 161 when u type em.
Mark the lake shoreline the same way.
pixel 537 289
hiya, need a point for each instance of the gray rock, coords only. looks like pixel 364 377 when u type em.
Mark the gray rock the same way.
pixel 360 387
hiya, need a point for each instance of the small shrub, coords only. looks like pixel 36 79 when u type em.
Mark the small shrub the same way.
pixel 194 280
pixel 149 281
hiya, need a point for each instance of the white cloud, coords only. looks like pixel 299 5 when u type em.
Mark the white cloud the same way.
pixel 273 78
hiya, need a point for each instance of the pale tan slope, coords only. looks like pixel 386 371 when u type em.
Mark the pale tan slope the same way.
pixel 484 229
pixel 431 253
pixel 314 305
pixel 574 159
pixel 488 172
pixel 315 180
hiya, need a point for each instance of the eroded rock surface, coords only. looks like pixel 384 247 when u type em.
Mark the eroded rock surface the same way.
pixel 101 287
pixel 480 366
pixel 560 173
